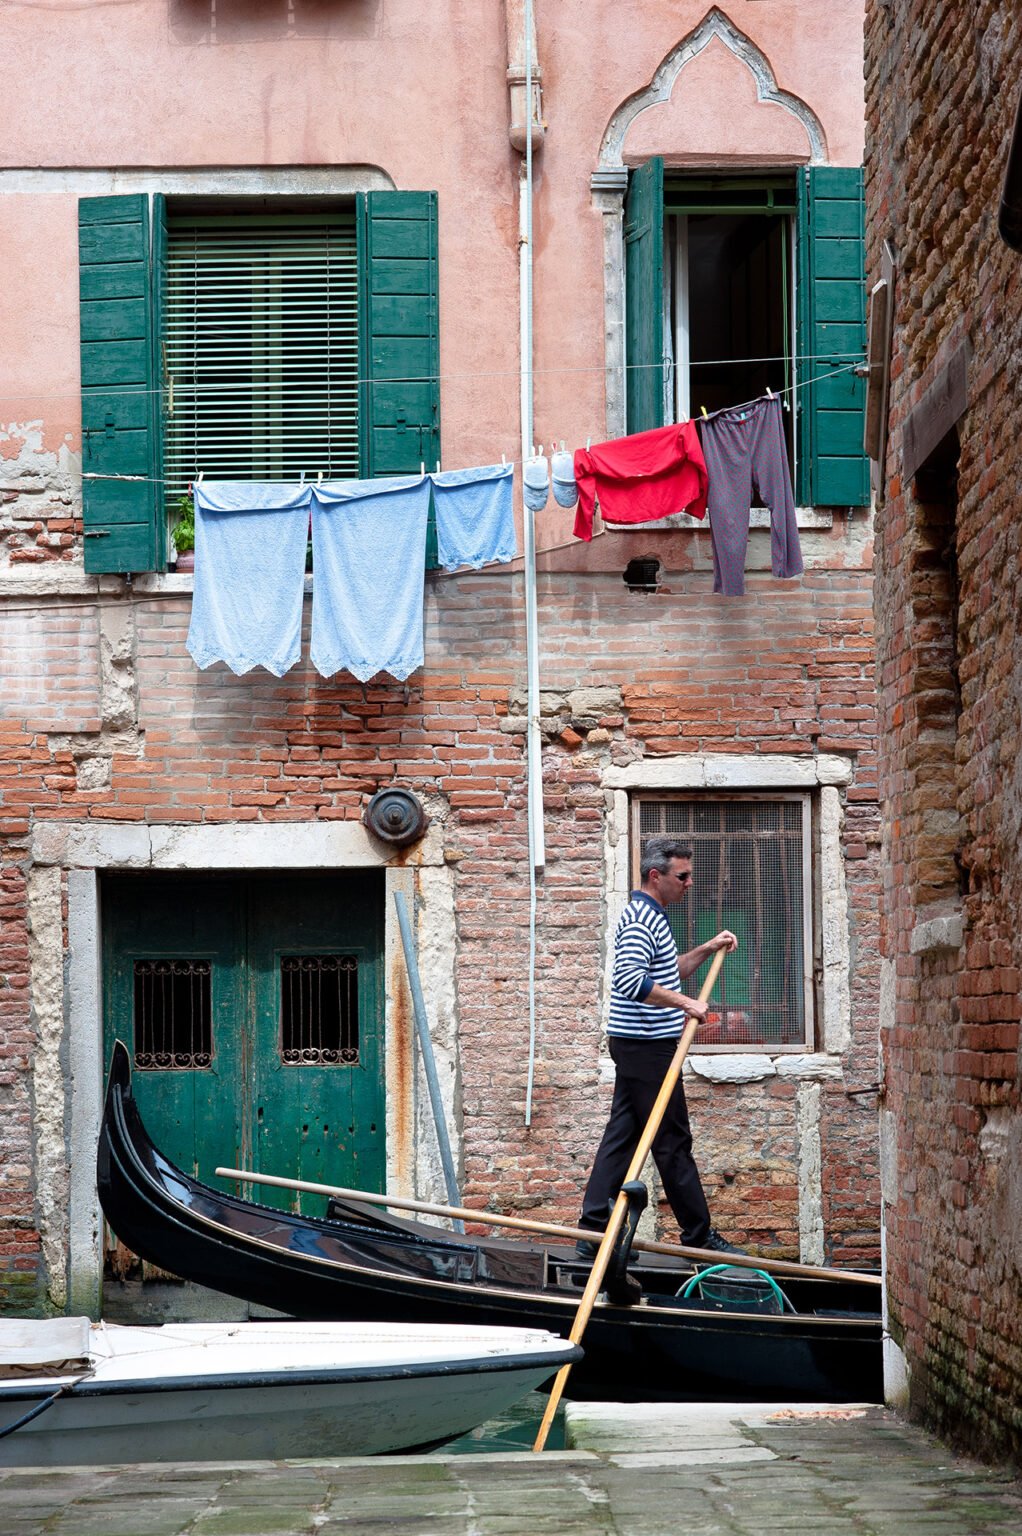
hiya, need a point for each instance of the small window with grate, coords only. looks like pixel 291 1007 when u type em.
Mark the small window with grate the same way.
pixel 319 1010
pixel 751 863
pixel 173 1015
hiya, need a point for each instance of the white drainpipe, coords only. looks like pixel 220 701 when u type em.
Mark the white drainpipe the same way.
pixel 523 80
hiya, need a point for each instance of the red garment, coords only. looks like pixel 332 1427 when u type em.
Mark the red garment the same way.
pixel 641 478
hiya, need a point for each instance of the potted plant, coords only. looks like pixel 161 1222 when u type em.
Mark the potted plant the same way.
pixel 184 534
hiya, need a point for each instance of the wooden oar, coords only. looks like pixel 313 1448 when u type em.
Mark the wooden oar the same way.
pixel 546 1228
pixel 620 1211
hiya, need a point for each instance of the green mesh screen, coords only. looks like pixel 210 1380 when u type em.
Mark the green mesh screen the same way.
pixel 747 863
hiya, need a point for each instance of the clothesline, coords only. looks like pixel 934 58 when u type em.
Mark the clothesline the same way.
pixel 501 373
pixel 162 480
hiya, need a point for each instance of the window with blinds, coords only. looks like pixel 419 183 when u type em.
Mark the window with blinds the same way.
pixel 751 862
pixel 260 347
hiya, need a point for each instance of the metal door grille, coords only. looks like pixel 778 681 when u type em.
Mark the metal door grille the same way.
pixel 750 862
pixel 260 348
pixel 173 1015
pixel 319 1010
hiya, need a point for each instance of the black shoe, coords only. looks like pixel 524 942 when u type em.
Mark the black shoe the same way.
pixel 586 1250
pixel 717 1244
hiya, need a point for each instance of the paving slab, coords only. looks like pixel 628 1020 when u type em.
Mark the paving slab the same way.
pixel 628 1470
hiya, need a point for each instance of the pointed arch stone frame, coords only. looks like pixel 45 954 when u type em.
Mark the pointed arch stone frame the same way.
pixel 609 181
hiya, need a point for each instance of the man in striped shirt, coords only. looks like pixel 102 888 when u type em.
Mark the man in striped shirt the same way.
pixel 647 1016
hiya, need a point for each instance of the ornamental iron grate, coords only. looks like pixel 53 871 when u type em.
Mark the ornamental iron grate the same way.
pixel 319 1010
pixel 750 869
pixel 173 1015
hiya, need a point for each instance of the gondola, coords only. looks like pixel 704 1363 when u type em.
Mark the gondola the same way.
pixel 821 1343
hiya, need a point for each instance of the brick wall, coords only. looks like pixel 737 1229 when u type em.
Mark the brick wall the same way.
pixel 787 670
pixel 942 85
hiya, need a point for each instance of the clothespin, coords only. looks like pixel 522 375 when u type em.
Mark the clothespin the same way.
pixel 503 461
pixel 319 478
pixel 703 409
pixel 438 466
pixel 589 444
pixel 770 393
pixel 422 466
pixel 201 473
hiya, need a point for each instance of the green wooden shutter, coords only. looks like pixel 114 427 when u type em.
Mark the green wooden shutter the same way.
pixel 644 298
pixel 124 524
pixel 399 418
pixel 832 468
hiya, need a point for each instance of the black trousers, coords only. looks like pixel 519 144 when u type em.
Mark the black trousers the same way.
pixel 641 1067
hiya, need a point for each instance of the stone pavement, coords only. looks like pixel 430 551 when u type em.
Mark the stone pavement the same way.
pixel 641 1470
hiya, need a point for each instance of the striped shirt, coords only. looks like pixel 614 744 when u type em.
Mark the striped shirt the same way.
pixel 645 954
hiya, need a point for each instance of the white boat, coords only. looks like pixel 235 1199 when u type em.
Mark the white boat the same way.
pixel 94 1393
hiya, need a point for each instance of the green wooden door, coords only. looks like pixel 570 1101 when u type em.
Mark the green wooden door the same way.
pixel 173 956
pixel 253 1010
pixel 317 1065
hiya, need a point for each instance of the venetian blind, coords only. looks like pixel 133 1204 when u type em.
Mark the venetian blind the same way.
pixel 260 348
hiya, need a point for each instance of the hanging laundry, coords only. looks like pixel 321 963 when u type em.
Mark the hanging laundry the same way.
pixel 369 563
pixel 475 519
pixel 641 478
pixel 536 482
pixel 745 451
pixel 562 478
pixel 250 544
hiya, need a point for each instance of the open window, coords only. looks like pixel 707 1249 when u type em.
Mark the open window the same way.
pixel 728 283
pixel 739 283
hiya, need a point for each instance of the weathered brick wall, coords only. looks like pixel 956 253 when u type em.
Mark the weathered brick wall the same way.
pixel 787 670
pixel 942 84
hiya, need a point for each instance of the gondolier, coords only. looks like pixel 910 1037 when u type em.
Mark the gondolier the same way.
pixel 647 1015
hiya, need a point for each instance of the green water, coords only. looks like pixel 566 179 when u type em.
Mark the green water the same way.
pixel 514 1430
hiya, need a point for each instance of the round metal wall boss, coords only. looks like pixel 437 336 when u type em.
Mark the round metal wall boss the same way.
pixel 396 816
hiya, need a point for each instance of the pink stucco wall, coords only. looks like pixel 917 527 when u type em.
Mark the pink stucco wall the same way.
pixel 420 92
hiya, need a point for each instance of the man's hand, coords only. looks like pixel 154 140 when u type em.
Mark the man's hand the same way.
pixel 694 1008
pixel 725 939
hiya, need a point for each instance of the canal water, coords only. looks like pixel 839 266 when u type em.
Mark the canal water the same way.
pixel 513 1430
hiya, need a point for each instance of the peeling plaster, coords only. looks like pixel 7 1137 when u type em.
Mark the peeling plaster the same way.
pixel 49 1090
pixel 36 485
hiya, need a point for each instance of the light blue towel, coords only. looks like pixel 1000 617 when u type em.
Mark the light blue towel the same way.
pixel 369 564
pixel 250 542
pixel 475 522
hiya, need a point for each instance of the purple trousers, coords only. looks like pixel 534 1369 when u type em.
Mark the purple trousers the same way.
pixel 744 451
